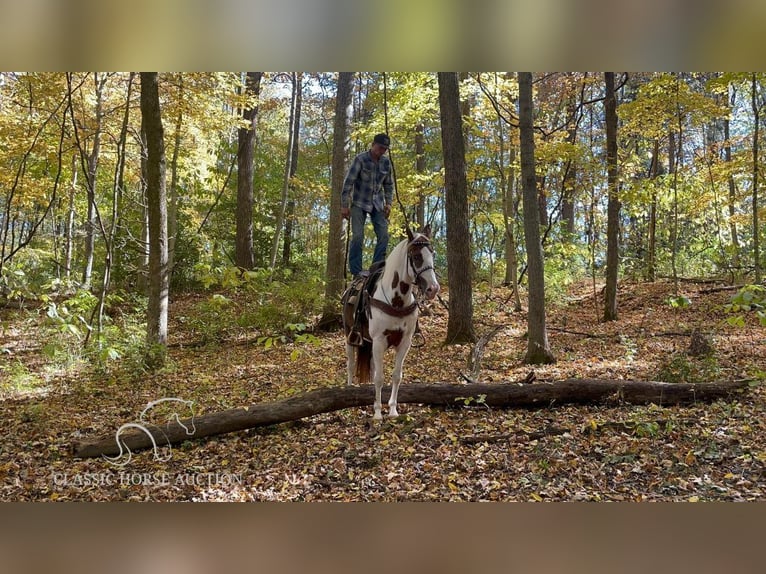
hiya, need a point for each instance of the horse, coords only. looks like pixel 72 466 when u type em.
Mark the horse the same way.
pixel 389 314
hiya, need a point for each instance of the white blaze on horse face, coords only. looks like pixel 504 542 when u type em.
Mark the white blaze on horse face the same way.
pixel 427 278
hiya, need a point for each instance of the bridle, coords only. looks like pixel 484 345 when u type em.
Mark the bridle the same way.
pixel 416 273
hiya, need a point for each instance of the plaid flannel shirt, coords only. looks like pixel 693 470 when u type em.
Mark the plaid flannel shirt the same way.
pixel 368 184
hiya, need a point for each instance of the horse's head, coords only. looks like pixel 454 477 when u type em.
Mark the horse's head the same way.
pixel 421 259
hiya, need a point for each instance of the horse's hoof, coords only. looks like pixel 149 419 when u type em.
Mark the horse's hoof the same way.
pixel 377 417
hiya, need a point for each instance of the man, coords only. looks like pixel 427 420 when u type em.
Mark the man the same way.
pixel 368 189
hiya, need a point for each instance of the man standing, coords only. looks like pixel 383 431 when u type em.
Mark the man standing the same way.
pixel 368 189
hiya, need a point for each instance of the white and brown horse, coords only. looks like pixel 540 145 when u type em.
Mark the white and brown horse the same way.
pixel 391 314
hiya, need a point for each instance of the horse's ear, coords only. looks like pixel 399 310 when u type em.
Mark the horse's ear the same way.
pixel 426 231
pixel 410 237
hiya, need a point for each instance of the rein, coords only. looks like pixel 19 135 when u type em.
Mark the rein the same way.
pixel 391 157
pixel 405 311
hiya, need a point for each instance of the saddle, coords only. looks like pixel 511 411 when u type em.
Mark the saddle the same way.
pixel 358 297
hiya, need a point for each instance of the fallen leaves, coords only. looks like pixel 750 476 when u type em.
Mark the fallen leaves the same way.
pixel 464 452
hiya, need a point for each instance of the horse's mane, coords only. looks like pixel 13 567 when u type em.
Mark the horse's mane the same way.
pixel 402 245
pixel 405 242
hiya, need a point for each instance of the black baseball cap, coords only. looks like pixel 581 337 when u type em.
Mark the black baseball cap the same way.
pixel 382 139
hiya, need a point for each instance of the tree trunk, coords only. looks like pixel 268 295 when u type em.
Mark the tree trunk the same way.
pixel 157 311
pixel 335 253
pixel 173 192
pixel 243 251
pixel 569 178
pixel 290 212
pixel 677 153
pixel 538 349
pixel 509 217
pixel 69 240
pixel 90 183
pixel 529 396
pixel 459 264
pixel 420 169
pixel 732 194
pixel 756 233
pixel 651 260
pixel 143 262
pixel 613 207
pixel 286 180
pixel 109 236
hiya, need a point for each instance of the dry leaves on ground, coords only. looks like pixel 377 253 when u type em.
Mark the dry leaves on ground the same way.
pixel 704 452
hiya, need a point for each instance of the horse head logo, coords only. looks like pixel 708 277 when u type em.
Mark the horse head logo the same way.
pixel 143 426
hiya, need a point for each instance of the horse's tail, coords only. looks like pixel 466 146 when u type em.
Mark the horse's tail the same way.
pixel 363 362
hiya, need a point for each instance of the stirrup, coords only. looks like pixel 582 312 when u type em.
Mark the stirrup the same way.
pixel 355 339
pixel 421 340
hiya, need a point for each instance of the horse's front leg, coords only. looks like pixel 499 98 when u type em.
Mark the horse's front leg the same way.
pixel 379 347
pixel 396 376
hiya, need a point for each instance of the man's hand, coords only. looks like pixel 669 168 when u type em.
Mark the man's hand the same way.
pixel 345 212
pixel 387 211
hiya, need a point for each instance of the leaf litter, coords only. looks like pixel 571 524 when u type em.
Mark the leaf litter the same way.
pixel 560 453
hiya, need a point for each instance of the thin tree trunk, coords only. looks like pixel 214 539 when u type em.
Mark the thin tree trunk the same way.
pixel 173 191
pixel 613 207
pixel 420 169
pixel 732 193
pixel 286 180
pixel 756 233
pixel 592 227
pixel 538 349
pixel 507 183
pixel 290 213
pixel 90 181
pixel 109 237
pixel 69 228
pixel 676 165
pixel 335 252
pixel 157 312
pixel 143 263
pixel 569 178
pixel 652 256
pixel 459 263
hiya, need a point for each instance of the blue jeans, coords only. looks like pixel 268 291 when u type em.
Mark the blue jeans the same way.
pixel 379 225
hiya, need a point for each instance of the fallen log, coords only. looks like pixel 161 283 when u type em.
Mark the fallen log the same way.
pixel 709 290
pixel 517 395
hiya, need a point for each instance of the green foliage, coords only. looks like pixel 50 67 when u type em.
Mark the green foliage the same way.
pixel 212 317
pixel 69 316
pixel 647 429
pixel 15 377
pixel 658 103
pixel 680 368
pixel 292 333
pixel 480 400
pixel 749 298
pixel 678 302
pixel 565 263
pixel 14 282
pixel 252 300
pixel 155 357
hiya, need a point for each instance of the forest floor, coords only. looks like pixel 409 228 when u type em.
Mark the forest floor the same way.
pixel 711 451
